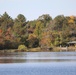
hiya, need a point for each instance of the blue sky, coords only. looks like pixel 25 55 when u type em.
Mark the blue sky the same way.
pixel 32 9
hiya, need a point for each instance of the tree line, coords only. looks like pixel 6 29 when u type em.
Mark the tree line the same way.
pixel 42 32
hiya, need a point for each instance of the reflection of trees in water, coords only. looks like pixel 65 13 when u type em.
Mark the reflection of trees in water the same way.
pixel 23 57
pixel 12 57
pixel 5 60
pixel 12 60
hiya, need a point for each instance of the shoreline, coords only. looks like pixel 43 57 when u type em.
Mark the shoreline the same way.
pixel 55 49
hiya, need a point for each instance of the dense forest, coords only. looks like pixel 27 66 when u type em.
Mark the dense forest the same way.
pixel 42 32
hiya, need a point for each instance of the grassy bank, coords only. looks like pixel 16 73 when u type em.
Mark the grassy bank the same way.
pixel 17 50
pixel 38 49
pixel 69 49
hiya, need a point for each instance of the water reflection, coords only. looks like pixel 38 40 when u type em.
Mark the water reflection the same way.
pixel 29 57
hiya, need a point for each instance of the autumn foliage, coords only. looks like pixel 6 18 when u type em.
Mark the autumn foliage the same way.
pixel 42 32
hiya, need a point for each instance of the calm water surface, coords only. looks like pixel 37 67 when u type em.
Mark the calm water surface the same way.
pixel 38 63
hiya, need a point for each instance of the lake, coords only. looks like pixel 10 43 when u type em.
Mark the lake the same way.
pixel 38 63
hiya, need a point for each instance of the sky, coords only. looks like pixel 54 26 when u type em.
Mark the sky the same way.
pixel 32 9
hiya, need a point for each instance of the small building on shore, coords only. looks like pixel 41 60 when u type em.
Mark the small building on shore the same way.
pixel 72 43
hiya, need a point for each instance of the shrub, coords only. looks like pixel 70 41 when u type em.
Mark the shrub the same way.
pixel 22 47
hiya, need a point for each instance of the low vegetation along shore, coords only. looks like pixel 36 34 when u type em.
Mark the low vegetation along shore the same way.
pixel 38 49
